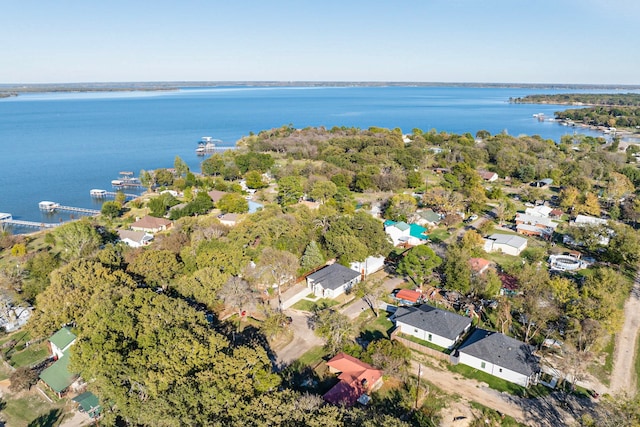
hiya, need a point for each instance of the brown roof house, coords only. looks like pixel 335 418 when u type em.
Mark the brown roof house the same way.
pixel 357 379
pixel 151 224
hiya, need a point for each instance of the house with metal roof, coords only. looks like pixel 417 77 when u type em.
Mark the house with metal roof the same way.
pixel 61 341
pixel 440 327
pixel 57 376
pixel 506 243
pixel 89 404
pixel 135 239
pixel 402 233
pixel 501 356
pixel 332 280
pixel 356 380
pixel 151 224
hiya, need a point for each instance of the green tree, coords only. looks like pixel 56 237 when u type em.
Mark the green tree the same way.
pixel 391 356
pixel 370 291
pixel 457 270
pixel 312 256
pixel 289 190
pixel 401 207
pixel 254 180
pixel 180 167
pixel 323 190
pixel 277 268
pixel 214 165
pixel 334 327
pixel 233 203
pixel 163 177
pixel 419 263
pixel 111 209
pixel 77 239
pixel 156 267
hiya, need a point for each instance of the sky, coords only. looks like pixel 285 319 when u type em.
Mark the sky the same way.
pixel 494 41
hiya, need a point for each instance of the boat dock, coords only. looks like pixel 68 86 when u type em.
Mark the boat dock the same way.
pixel 30 224
pixel 98 194
pixel 53 206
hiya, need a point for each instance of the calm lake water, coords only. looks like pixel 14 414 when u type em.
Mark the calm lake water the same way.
pixel 58 146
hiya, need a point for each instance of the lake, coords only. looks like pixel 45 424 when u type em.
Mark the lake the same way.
pixel 58 146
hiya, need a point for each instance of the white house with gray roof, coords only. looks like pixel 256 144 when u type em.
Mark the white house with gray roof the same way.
pixel 506 243
pixel 440 327
pixel 332 280
pixel 501 356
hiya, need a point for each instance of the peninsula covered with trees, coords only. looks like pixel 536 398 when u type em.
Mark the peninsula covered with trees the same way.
pixel 600 110
pixel 197 324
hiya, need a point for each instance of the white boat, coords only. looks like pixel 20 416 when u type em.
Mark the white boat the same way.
pixel 98 193
pixel 5 216
pixel 117 182
pixel 48 206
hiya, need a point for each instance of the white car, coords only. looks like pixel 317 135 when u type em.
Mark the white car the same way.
pixel 473 217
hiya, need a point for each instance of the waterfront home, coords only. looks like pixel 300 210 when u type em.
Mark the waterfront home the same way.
pixel 357 380
pixel 440 327
pixel 151 224
pixel 501 356
pixel 135 239
pixel 332 280
pixel 506 243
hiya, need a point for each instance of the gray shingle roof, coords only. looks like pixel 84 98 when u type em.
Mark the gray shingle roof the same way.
pixel 333 276
pixel 501 350
pixel 431 319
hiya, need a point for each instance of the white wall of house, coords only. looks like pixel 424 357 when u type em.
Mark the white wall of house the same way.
pixel 507 249
pixel 319 291
pixel 495 370
pixel 425 335
pixel 368 266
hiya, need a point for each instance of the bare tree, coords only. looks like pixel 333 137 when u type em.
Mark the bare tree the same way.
pixel 277 268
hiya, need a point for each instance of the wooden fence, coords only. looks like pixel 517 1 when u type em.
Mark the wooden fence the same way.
pixel 395 335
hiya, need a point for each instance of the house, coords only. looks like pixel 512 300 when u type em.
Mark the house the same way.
pixel 89 404
pixel 501 356
pixel 537 221
pixel 216 195
pixel 357 379
pixel 440 327
pixel 407 297
pixel 57 376
pixel 488 176
pixel 428 218
pixel 229 219
pixel 332 280
pixel 135 239
pixel 61 341
pixel 402 233
pixel 310 204
pixel 151 224
pixel 589 220
pixel 506 243
pixel 542 183
pixel 556 213
pixel 479 265
pixel 541 211
pixel 369 266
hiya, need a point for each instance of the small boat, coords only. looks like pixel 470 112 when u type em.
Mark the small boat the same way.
pixel 98 193
pixel 48 206
pixel 117 182
pixel 5 216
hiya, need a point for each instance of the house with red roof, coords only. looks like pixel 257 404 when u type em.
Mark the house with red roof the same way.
pixel 479 265
pixel 408 297
pixel 150 224
pixel 357 380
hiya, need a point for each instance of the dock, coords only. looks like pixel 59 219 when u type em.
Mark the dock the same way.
pixel 30 224
pixel 53 206
pixel 104 193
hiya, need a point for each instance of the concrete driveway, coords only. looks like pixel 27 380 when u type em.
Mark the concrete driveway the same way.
pixel 303 338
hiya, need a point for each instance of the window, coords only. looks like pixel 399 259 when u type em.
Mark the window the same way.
pixel 483 365
pixel 415 330
pixel 500 369
pixel 430 337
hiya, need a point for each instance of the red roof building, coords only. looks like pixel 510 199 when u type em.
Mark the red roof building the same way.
pixel 408 296
pixel 356 379
pixel 479 265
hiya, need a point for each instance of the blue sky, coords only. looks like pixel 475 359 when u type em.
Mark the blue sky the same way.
pixel 512 41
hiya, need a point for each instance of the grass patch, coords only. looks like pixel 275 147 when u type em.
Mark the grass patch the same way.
pixel 31 410
pixel 495 417
pixel 375 328
pixel 603 371
pixel 438 235
pixel 425 343
pixel 636 364
pixel 306 305
pixel 29 356
pixel 493 382
pixel 313 356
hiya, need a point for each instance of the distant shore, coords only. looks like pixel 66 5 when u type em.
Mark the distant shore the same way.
pixel 8 90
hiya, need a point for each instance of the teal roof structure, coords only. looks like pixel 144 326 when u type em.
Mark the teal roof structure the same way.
pixel 89 403
pixel 418 232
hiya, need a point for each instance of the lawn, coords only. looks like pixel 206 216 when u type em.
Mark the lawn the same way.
pixel 375 327
pixel 603 372
pixel 306 305
pixel 637 366
pixel 313 356
pixel 439 235
pixel 31 410
pixel 30 355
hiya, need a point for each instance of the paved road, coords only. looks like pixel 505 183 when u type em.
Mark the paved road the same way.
pixel 303 338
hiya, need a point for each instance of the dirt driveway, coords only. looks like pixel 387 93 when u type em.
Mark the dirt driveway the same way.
pixel 623 375
pixel 303 338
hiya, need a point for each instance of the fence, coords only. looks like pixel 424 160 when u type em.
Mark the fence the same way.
pixel 395 335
